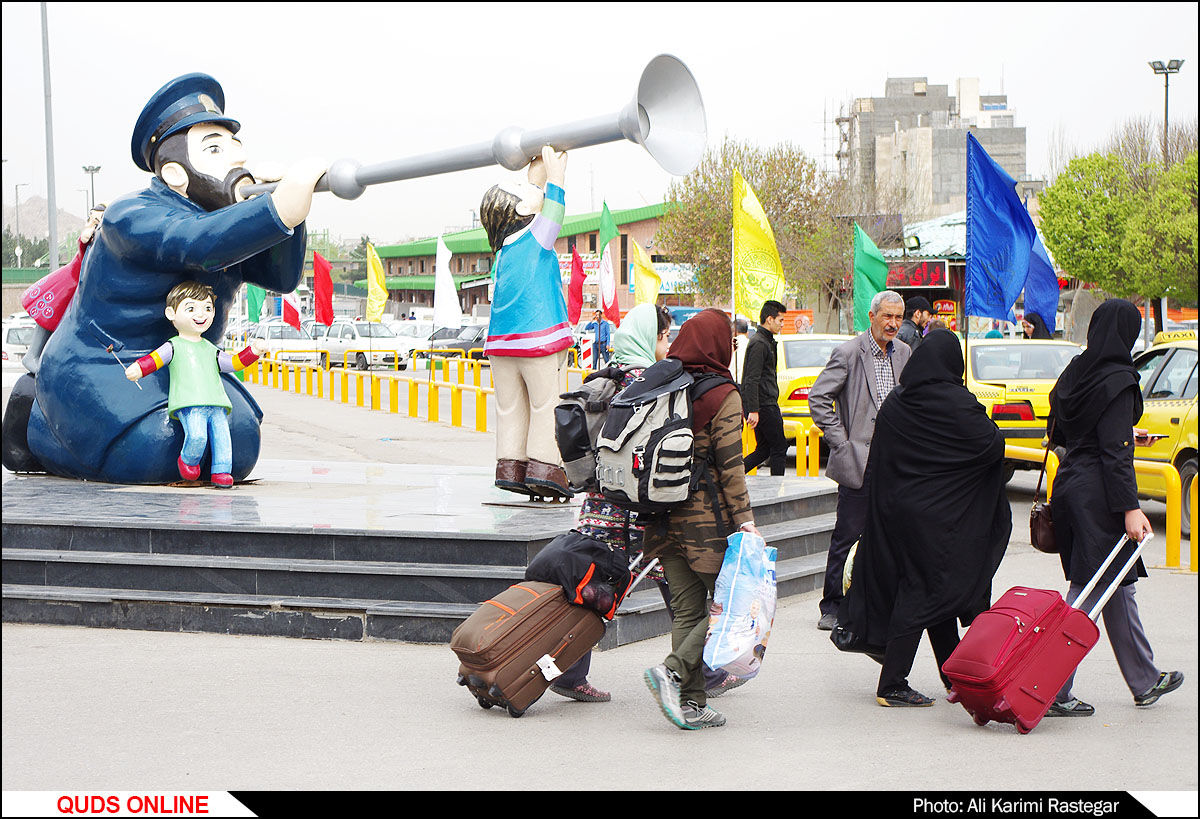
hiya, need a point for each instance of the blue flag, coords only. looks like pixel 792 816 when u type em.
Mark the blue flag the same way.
pixel 1041 285
pixel 1003 248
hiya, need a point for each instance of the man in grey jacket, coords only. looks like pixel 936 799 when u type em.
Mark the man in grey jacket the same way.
pixel 844 401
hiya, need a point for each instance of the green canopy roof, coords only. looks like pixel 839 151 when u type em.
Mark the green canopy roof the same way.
pixel 475 241
pixel 421 282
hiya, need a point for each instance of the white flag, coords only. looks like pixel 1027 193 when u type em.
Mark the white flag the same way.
pixel 447 312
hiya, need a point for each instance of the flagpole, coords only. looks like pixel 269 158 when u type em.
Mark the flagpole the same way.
pixel 733 294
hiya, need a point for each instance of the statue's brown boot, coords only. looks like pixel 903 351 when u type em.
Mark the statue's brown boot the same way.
pixel 546 480
pixel 510 475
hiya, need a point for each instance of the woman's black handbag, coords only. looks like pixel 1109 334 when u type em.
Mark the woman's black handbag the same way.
pixel 848 641
pixel 1041 524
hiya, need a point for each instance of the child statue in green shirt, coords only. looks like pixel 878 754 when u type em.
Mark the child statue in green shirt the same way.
pixel 196 397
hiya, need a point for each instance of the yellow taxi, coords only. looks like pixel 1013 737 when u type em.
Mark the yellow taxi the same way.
pixel 801 357
pixel 1012 378
pixel 1167 371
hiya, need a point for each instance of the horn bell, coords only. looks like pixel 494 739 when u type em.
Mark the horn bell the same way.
pixel 666 115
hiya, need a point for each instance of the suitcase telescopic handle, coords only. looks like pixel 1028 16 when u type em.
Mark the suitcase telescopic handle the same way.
pixel 1112 587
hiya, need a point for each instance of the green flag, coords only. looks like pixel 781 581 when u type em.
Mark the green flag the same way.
pixel 870 276
pixel 254 302
pixel 608 279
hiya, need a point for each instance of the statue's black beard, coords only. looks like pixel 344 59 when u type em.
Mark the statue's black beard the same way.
pixel 211 193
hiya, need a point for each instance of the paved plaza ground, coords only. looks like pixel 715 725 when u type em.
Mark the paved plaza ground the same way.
pixel 87 709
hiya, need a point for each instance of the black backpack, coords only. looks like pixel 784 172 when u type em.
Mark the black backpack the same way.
pixel 577 422
pixel 590 573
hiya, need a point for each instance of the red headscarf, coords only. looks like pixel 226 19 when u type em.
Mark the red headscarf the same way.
pixel 705 345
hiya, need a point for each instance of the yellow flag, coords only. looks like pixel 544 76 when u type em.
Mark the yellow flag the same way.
pixel 757 273
pixel 645 281
pixel 377 291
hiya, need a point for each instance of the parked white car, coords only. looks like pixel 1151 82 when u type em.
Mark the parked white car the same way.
pixel 365 344
pixel 16 335
pixel 285 342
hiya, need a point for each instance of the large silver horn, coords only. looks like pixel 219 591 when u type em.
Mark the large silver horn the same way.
pixel 665 116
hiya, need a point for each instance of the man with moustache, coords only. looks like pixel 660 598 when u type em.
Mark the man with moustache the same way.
pixel 844 401
pixel 85 420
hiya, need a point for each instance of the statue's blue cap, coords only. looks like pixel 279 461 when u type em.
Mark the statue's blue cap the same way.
pixel 183 102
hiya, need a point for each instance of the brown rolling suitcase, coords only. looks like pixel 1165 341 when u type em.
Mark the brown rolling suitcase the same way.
pixel 515 644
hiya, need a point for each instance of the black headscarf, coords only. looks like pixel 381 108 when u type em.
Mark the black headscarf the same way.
pixel 1093 378
pixel 939 518
pixel 1039 327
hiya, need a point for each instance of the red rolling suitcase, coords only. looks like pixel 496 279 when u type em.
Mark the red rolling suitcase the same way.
pixel 1018 654
pixel 517 642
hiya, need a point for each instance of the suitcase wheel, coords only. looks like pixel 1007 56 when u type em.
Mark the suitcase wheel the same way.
pixel 1022 728
pixel 474 681
pixel 484 704
pixel 952 696
pixel 1002 706
pixel 494 691
pixel 514 712
pixel 461 680
pixel 980 719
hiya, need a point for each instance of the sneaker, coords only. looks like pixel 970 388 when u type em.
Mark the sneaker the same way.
pixel 904 698
pixel 222 480
pixel 1071 708
pixel 827 622
pixel 702 716
pixel 583 693
pixel 728 684
pixel 1168 681
pixel 664 685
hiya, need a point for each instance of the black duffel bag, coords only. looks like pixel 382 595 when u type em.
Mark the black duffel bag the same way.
pixel 591 574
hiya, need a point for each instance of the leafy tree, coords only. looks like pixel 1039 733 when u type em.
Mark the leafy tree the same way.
pixel 31 249
pixel 1084 215
pixel 1159 244
pixel 697 226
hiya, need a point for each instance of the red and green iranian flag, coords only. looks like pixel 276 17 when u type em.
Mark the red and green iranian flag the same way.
pixel 608 281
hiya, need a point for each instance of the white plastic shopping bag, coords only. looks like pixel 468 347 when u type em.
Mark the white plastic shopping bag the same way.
pixel 743 607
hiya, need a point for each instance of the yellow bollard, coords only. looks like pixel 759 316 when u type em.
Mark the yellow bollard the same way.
pixel 412 398
pixel 1192 513
pixel 434 395
pixel 814 451
pixel 345 386
pixel 1174 523
pixel 456 403
pixel 481 417
pixel 394 396
pixel 748 445
pixel 375 390
pixel 358 390
pixel 308 379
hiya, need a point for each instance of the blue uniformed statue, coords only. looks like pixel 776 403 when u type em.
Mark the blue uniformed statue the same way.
pixel 85 419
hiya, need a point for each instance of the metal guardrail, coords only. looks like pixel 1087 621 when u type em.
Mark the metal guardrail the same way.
pixel 369 389
pixel 1174 501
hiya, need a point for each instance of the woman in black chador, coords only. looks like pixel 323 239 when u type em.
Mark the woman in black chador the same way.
pixel 1093 407
pixel 939 519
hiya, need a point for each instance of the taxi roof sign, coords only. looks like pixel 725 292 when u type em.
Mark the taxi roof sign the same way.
pixel 1174 335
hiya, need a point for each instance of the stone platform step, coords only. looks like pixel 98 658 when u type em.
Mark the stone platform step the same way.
pixel 333 551
pixel 643 614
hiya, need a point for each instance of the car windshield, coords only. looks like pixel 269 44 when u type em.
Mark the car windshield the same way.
pixel 467 333
pixel 446 332
pixel 19 335
pixel 810 352
pixel 284 331
pixel 1020 361
pixel 374 330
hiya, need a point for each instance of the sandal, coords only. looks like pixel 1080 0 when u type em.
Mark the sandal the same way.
pixel 583 693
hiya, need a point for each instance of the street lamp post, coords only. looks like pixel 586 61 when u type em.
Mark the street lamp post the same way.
pixel 1166 69
pixel 92 170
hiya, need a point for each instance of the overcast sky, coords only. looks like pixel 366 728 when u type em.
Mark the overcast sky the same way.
pixel 375 82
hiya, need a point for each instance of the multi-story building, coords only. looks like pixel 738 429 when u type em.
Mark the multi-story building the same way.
pixel 908 148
